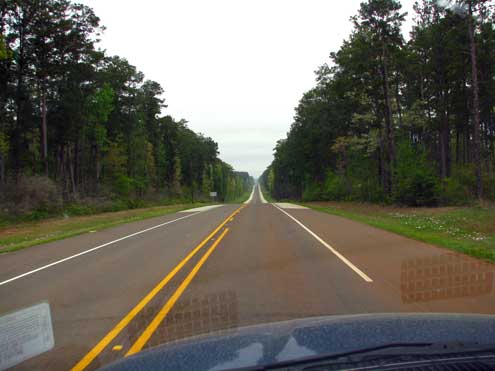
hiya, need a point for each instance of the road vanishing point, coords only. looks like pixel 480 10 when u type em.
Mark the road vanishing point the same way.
pixel 115 292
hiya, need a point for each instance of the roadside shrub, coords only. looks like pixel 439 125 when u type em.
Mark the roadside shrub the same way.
pixel 416 183
pixel 123 186
pixel 312 192
pixel 455 193
pixel 78 209
pixel 417 189
pixel 118 205
pixel 368 190
pixel 459 189
pixel 135 203
pixel 37 195
pixel 335 188
pixel 489 186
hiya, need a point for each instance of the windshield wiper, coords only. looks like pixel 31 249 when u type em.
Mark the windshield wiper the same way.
pixel 410 351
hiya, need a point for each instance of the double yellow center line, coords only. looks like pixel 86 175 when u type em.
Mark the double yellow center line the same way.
pixel 146 335
pixel 148 332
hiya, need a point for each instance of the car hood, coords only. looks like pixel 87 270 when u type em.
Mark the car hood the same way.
pixel 283 341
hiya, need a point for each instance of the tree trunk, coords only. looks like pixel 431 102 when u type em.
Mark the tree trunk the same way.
pixel 44 144
pixel 192 182
pixel 98 170
pixel 457 149
pixel 19 122
pixel 63 171
pixel 493 155
pixel 389 131
pixel 381 162
pixel 94 187
pixel 444 136
pixel 2 170
pixel 476 106
pixel 70 158
pixel 444 150
pixel 60 163
pixel 397 99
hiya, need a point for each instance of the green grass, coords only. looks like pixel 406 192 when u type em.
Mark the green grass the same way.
pixel 469 230
pixel 267 195
pixel 88 207
pixel 240 199
pixel 27 234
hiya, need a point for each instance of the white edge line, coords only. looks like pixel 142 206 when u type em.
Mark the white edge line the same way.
pixel 92 249
pixel 201 209
pixel 339 255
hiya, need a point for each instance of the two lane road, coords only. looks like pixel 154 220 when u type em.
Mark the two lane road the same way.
pixel 115 292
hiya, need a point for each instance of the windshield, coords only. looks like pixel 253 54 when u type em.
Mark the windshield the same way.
pixel 173 169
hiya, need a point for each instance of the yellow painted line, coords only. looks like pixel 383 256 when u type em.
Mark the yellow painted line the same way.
pixel 98 348
pixel 148 332
pixel 117 347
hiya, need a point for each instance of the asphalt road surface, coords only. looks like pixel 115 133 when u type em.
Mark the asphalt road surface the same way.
pixel 115 292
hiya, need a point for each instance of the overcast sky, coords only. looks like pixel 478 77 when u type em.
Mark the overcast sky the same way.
pixel 233 69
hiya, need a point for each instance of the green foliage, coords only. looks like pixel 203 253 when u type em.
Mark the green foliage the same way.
pixel 100 104
pixel 177 177
pixel 459 188
pixel 416 183
pixel 4 144
pixel 115 160
pixel 4 52
pixel 489 186
pixel 335 187
pixel 381 91
pixel 79 209
pixel 312 192
pixel 124 186
pixel 107 135
pixel 417 189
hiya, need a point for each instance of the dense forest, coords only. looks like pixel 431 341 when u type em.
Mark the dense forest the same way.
pixel 393 120
pixel 78 125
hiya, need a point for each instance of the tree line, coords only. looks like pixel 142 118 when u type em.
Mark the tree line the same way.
pixel 390 120
pixel 90 122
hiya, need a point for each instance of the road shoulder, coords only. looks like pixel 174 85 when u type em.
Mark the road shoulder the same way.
pixel 29 234
pixel 466 230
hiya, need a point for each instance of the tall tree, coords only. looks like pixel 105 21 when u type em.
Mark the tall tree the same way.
pixel 91 122
pixel 380 23
pixel 476 99
pixel 386 121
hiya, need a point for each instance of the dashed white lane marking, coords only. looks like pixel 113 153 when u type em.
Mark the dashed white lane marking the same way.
pixel 335 252
pixel 199 209
pixel 262 198
pixel 250 196
pixel 93 249
pixel 286 205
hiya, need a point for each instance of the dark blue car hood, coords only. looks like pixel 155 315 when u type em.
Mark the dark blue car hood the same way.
pixel 283 341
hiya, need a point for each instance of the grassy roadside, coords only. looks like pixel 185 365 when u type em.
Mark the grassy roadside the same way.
pixel 469 230
pixel 241 199
pixel 267 195
pixel 27 234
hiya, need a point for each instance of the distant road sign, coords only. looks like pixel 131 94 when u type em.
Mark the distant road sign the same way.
pixel 213 194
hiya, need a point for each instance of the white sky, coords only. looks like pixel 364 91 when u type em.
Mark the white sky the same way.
pixel 234 69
